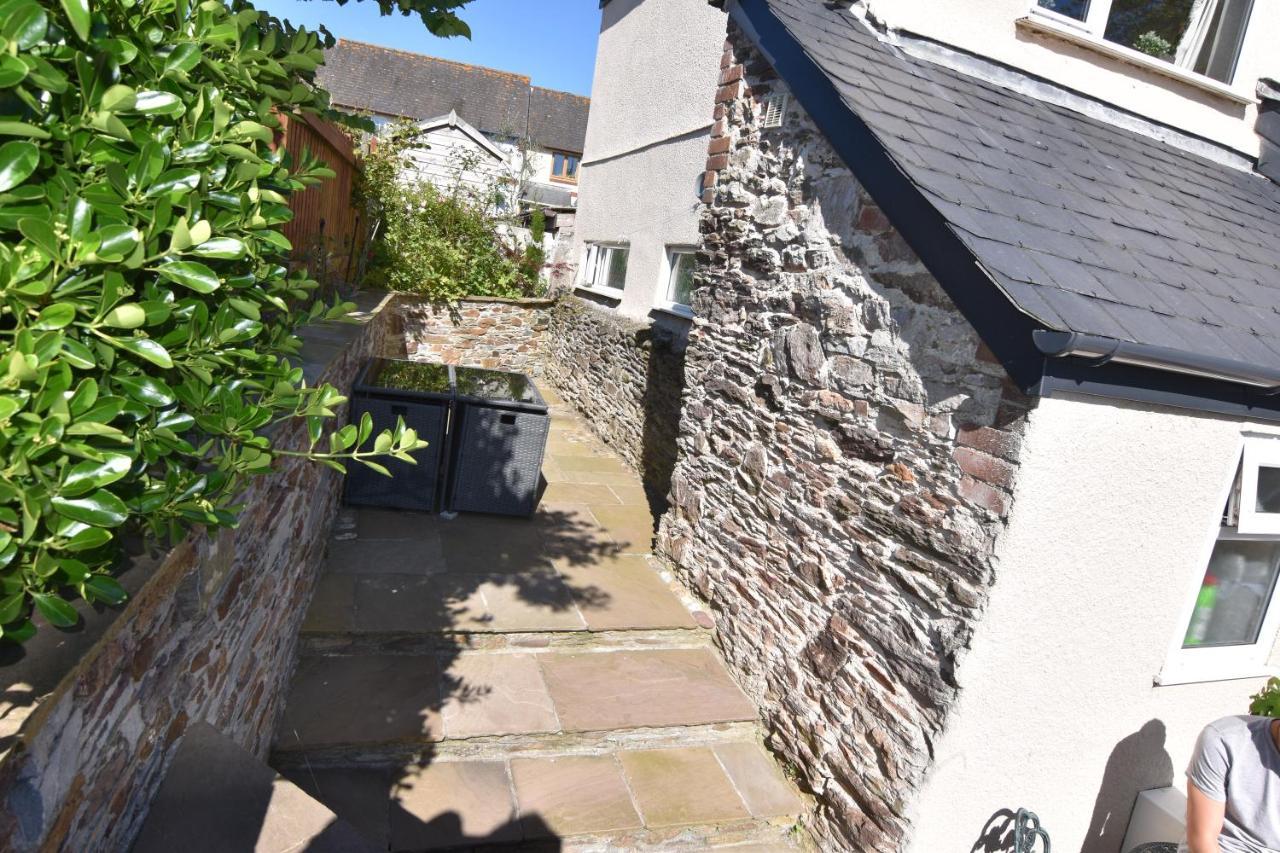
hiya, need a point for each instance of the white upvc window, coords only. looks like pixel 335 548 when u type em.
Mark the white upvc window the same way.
pixel 1229 625
pixel 1202 36
pixel 605 268
pixel 677 289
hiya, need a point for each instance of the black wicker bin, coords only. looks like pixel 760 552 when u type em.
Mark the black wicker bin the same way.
pixel 498 443
pixel 422 394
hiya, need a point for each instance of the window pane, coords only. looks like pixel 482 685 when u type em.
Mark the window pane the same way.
pixel 1268 499
pixel 1214 53
pixel 571 166
pixel 557 164
pixel 681 287
pixel 617 268
pixel 1234 595
pixel 1078 9
pixel 1153 27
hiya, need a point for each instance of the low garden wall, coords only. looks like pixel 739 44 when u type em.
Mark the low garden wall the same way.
pixel 506 334
pixel 627 378
pixel 209 636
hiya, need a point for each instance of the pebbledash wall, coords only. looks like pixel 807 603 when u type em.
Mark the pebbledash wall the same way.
pixel 210 636
pixel 846 453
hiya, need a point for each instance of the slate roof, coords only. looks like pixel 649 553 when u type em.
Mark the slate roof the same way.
pixel 1085 226
pixel 378 79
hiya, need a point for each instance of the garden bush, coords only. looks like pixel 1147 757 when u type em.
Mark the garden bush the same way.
pixel 147 317
pixel 445 243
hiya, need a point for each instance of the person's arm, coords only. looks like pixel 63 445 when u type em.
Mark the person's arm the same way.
pixel 1204 820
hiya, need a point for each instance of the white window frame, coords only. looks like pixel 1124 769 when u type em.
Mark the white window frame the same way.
pixel 592 264
pixel 1092 32
pixel 664 301
pixel 1224 663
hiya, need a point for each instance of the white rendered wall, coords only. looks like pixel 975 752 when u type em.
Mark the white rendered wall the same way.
pixel 987 28
pixel 657 66
pixel 441 160
pixel 1112 512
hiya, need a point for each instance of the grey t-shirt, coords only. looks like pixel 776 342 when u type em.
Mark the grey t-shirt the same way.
pixel 1236 761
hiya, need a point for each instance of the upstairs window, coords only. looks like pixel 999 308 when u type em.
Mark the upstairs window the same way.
pixel 605 267
pixel 564 167
pixel 1232 619
pixel 1203 36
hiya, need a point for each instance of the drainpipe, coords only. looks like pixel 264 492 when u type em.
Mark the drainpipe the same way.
pixel 1104 350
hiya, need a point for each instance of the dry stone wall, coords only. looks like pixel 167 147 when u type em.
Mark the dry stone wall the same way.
pixel 209 637
pixel 846 455
pixel 506 334
pixel 627 378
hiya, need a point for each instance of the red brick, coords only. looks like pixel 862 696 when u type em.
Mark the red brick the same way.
pixel 708 196
pixel 726 59
pixel 732 92
pixel 984 467
pixel 872 218
pixel 716 162
pixel 720 128
pixel 732 74
pixel 993 441
pixel 720 145
pixel 718 113
pixel 984 496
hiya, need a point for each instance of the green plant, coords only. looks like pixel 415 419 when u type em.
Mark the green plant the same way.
pixel 1266 702
pixel 146 314
pixel 445 243
pixel 1153 44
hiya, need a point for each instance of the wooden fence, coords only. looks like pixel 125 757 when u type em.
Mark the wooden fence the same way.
pixel 326 231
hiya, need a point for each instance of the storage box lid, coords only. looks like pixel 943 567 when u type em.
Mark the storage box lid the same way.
pixel 397 375
pixel 496 386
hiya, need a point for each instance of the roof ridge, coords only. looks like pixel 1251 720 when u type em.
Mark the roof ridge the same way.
pixel 512 74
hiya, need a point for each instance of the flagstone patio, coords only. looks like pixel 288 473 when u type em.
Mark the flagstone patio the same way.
pixel 537 683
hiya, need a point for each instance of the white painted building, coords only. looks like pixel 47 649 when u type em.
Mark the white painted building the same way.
pixel 646 148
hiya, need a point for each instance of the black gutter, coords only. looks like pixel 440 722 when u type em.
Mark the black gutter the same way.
pixel 1005 329
pixel 1104 350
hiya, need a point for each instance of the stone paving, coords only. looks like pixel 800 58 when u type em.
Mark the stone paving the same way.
pixel 536 683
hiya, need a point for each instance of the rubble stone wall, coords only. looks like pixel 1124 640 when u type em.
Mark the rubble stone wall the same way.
pixel 627 378
pixel 846 455
pixel 209 637
pixel 506 334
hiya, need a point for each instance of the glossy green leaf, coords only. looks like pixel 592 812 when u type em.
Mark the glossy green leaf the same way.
pixel 101 509
pixel 18 160
pixel 78 13
pixel 127 315
pixel 105 589
pixel 21 128
pixel 26 25
pixel 57 611
pixel 157 102
pixel 183 58
pixel 118 98
pixel 147 389
pixel 12 71
pixel 11 607
pixel 190 274
pixel 89 475
pixel 147 349
pixel 174 181
pixel 56 316
pixel 87 540
pixel 227 248
pixel 40 232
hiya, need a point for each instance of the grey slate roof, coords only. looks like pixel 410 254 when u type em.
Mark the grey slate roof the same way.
pixel 395 82
pixel 1085 226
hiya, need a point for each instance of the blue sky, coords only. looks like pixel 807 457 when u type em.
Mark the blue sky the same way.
pixel 551 41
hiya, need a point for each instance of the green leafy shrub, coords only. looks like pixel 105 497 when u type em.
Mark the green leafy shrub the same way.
pixel 146 313
pixel 1266 702
pixel 445 243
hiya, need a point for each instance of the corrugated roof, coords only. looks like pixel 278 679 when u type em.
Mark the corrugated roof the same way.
pixel 1084 226
pixel 377 79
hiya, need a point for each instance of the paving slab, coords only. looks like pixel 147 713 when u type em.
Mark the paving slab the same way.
pixel 678 787
pixel 758 780
pixel 396 524
pixel 410 603
pixel 362 699
pixel 579 494
pixel 451 804
pixel 592 464
pixel 358 795
pixel 630 495
pixel 496 694
pixel 624 592
pixel 601 691
pixel 573 795
pixel 332 607
pixel 536 601
pixel 386 556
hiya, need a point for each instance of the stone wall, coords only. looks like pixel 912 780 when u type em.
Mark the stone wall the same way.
pixel 210 637
pixel 478 332
pixel 627 378
pixel 847 451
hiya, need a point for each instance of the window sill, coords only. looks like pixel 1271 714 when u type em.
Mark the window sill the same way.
pixel 1193 674
pixel 559 180
pixel 606 292
pixel 675 309
pixel 1044 24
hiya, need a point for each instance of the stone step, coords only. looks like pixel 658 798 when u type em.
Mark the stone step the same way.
pixel 361 701
pixel 417 643
pixel 724 795
pixel 217 798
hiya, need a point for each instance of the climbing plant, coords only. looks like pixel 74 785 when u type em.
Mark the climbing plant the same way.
pixel 147 320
